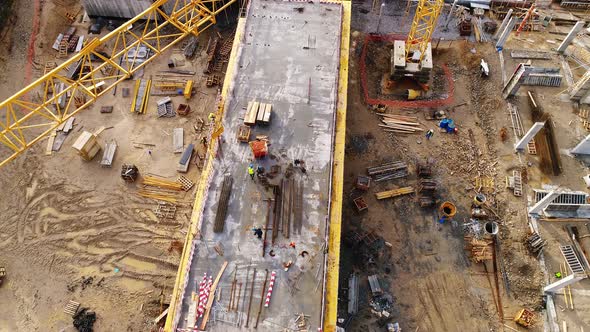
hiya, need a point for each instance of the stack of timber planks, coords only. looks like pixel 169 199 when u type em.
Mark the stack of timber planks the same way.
pixel 400 124
pixel 257 112
pixel 394 192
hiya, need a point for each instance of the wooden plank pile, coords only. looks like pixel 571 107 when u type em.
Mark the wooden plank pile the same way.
pixel 161 189
pixel 394 192
pixel 257 112
pixel 400 124
pixel 154 181
pixel 479 249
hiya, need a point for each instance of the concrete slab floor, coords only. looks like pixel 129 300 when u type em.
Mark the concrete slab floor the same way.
pixel 289 57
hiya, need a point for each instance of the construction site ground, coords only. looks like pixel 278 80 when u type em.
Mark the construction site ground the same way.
pixel 280 60
pixel 420 262
pixel 62 219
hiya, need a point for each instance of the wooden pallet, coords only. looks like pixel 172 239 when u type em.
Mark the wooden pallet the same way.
pixel 186 183
pixel 586 125
pixel 532 147
pixel 212 80
pixel 165 210
pixel 63 48
pixel 517 183
pixel 483 182
pixel 71 308
pixel 244 133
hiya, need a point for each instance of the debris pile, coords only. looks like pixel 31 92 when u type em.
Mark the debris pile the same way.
pixel 84 320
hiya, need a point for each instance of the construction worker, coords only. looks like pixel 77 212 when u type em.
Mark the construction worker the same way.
pixel 258 232
pixel 558 275
pixel 429 133
pixel 211 117
pixel 251 171
pixel 260 172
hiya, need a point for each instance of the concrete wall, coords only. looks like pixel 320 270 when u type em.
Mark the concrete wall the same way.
pixel 115 8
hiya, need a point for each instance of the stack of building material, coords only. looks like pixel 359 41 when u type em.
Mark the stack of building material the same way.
pixel 142 94
pixel 178 140
pixel 186 183
pixel 158 195
pixel 264 112
pixel 165 210
pixel 161 189
pixel 353 294
pixel 57 138
pixel 212 47
pixel 191 47
pixel 165 108
pixel 223 204
pixel 109 154
pixel 155 181
pixel 185 159
pixel 375 286
pixel 257 112
pixel 86 145
pixel 479 249
pixel 394 192
pixel 400 124
pixel 535 243
pixel 388 171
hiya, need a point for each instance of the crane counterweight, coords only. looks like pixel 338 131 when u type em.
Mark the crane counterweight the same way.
pixel 413 57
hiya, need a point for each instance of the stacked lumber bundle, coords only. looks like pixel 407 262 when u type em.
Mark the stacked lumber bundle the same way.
pixel 480 250
pixel 162 183
pixel 158 195
pixel 401 124
pixel 394 193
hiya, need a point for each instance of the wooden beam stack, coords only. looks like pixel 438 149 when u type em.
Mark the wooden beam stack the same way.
pixel 401 124
pixel 480 250
pixel 162 183
pixel 394 192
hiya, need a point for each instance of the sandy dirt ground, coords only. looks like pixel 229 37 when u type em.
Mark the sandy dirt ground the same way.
pixel 63 220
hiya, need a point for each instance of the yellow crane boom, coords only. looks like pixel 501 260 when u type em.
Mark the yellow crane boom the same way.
pixel 423 25
pixel 39 108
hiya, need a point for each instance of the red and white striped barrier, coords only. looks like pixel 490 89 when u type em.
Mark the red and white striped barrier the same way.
pixel 271 284
pixel 202 297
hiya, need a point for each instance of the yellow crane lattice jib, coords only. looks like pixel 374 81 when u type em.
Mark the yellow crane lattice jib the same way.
pixel 427 13
pixel 39 108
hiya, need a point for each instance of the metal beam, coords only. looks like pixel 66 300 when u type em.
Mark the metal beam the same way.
pixel 504 23
pixel 34 112
pixel 544 202
pixel 521 145
pixel 570 36
pixel 559 284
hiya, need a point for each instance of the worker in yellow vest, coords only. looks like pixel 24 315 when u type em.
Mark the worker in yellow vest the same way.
pixel 251 171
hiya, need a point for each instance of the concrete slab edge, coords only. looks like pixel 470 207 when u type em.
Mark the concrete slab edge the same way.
pixel 333 257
